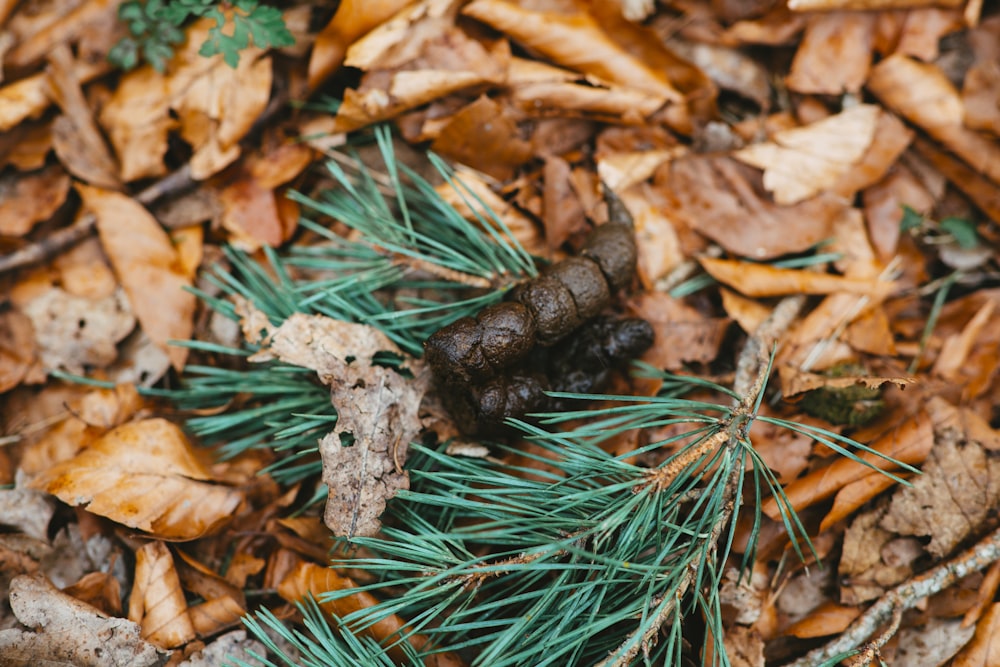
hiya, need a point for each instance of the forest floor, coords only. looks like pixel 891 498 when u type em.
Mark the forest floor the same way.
pixel 821 179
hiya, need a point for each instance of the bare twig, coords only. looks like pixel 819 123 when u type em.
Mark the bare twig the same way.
pixel 905 596
pixel 751 375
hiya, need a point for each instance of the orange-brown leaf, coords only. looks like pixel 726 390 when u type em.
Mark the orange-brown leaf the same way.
pixel 157 602
pixel 145 475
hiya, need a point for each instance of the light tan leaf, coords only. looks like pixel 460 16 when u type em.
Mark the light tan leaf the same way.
pixel 801 162
pixel 310 579
pixel 157 602
pixel 67 631
pixel 794 382
pixel 376 409
pixel 74 332
pixel 18 351
pixel 148 266
pixel 483 135
pixel 829 618
pixel 853 495
pixel 137 122
pixel 145 475
pixel 763 280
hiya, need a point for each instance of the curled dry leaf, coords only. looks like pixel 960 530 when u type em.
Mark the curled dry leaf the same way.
pixel 802 162
pixel 145 475
pixel 576 41
pixel 794 381
pixel 376 409
pixel 310 579
pixel 157 602
pixel 148 266
pixel 763 280
pixel 69 632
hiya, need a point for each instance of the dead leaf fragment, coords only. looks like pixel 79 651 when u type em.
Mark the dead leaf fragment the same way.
pixel 835 54
pixel 69 632
pixel 802 162
pixel 763 280
pixel 148 266
pixel 26 199
pixel 145 475
pixel 984 649
pixel 376 409
pixel 18 352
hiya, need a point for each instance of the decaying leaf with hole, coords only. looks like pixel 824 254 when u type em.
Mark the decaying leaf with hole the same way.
pixel 376 406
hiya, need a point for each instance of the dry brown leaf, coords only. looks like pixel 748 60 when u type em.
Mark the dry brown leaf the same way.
pixel 981 88
pixel 982 191
pixel 657 240
pixel 802 162
pixel 715 197
pixel 18 351
pixel 73 333
pixel 909 442
pixel 985 593
pixel 215 106
pixel 148 266
pixel 683 334
pixel 352 19
pixel 26 199
pixel 310 579
pixel 852 496
pixel 890 138
pixel 562 211
pixel 984 649
pixel 75 136
pixel 100 590
pixel 956 348
pixel 748 313
pixel 762 280
pixel 67 631
pixel 147 476
pixel 835 54
pixel 922 94
pixel 376 409
pixel 621 170
pixel 484 135
pixel 960 487
pixel 873 559
pixel 923 28
pixel 157 602
pixel 829 618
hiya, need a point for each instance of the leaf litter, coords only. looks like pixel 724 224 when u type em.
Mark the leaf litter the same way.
pixel 748 178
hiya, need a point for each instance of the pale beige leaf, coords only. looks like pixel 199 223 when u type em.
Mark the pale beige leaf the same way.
pixel 801 162
pixel 67 631
pixel 147 476
pixel 376 409
pixel 148 266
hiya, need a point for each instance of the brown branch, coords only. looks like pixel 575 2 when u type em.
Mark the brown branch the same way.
pixel 751 375
pixel 905 596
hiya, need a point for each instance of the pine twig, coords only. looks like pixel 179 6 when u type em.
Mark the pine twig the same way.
pixel 751 374
pixel 903 597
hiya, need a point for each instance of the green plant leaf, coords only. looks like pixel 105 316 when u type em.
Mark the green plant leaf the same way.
pixel 963 231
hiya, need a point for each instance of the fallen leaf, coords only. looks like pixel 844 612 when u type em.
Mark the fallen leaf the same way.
pixel 909 442
pixel 683 334
pixel 960 487
pixel 18 351
pixel 27 199
pixel 26 510
pixel 716 197
pixel 763 280
pixel 802 162
pixel 145 475
pixel 73 333
pixel 376 409
pixel 148 266
pixel 922 94
pixel 835 54
pixel 484 135
pixel 984 649
pixel 829 618
pixel 157 601
pixel 352 19
pixel 656 237
pixel 852 496
pixel 68 632
pixel 794 381
pixel 308 579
